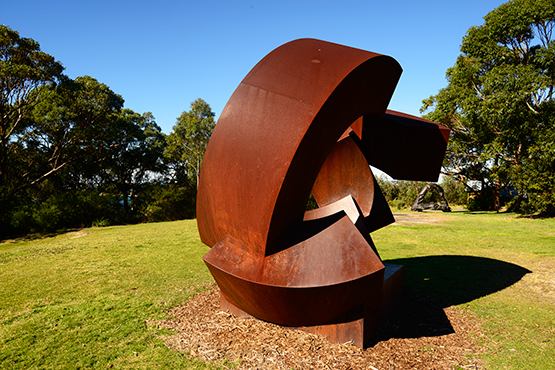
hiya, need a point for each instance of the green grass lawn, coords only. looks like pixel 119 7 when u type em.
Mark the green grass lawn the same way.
pixel 499 266
pixel 84 299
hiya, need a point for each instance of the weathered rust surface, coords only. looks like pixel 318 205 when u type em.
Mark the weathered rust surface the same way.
pixel 346 172
pixel 358 324
pixel 312 282
pixel 304 120
pixel 277 130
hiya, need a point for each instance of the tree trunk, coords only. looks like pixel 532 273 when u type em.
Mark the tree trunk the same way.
pixel 496 200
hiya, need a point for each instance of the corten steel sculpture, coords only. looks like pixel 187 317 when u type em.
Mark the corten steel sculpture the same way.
pixel 309 117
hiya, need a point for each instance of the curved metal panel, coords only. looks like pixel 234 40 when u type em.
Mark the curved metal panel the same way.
pixel 298 122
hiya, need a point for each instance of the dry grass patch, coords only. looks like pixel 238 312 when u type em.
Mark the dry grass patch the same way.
pixel 418 218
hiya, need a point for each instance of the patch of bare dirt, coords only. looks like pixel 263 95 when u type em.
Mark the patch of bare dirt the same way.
pixel 78 234
pixel 38 236
pixel 420 335
pixel 416 218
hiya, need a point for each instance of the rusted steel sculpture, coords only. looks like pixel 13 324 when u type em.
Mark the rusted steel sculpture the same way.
pixel 309 117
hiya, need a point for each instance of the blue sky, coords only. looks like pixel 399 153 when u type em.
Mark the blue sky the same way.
pixel 162 55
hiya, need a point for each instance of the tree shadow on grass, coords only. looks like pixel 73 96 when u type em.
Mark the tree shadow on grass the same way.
pixel 34 236
pixel 432 283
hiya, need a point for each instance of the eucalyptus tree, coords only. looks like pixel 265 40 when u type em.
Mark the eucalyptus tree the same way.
pixel 499 102
pixel 187 143
pixel 136 154
pixel 74 122
pixel 23 69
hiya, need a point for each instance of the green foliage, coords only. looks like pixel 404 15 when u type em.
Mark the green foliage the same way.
pixel 189 139
pixel 455 192
pixel 71 156
pixel 169 203
pixel 537 176
pixel 62 210
pixel 73 122
pixel 23 69
pixel 103 222
pixel 499 99
pixel 399 194
pixel 135 154
pixel 402 194
pixel 481 201
pixel 311 204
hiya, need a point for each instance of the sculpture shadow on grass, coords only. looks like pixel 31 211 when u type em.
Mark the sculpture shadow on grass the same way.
pixel 432 283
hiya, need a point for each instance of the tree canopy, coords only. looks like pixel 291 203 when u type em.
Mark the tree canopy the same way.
pixel 190 136
pixel 23 68
pixel 73 121
pixel 499 106
pixel 135 154
pixel 71 155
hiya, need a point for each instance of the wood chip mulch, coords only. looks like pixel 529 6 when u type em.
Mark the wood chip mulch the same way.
pixel 420 334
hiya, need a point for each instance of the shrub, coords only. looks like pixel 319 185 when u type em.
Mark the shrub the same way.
pixel 168 203
pixel 455 191
pixel 401 194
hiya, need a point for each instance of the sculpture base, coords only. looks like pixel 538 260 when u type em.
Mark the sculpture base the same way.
pixel 359 324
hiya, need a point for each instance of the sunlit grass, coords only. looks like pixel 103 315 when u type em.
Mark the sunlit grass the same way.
pixel 84 299
pixel 481 253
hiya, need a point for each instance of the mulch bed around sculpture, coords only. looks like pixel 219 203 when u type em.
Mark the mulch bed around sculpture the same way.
pixel 420 334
